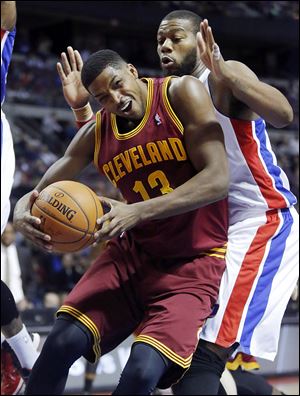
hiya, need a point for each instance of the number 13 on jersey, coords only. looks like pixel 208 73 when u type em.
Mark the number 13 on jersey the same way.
pixel 155 179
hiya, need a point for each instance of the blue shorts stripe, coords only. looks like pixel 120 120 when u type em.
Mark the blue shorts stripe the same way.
pixel 262 291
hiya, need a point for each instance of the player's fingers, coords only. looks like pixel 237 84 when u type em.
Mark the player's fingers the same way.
pixel 32 219
pixel 201 43
pixel 60 71
pixel 34 232
pixel 216 51
pixel 72 58
pixel 210 37
pixel 203 29
pixel 43 245
pixel 65 63
pixel 33 197
pixel 79 60
pixel 106 218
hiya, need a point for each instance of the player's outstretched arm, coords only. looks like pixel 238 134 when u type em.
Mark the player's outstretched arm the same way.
pixel 78 155
pixel 8 15
pixel 263 99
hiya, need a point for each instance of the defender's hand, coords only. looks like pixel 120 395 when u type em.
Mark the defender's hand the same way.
pixel 210 52
pixel 69 72
pixel 25 223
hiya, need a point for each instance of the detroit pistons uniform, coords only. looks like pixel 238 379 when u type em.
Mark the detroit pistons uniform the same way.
pixel 7 151
pixel 160 279
pixel 262 257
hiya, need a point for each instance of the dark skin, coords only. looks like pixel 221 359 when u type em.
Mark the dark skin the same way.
pixel 123 93
pixel 236 90
pixel 8 15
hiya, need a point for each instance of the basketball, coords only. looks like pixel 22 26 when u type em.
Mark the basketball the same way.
pixel 68 211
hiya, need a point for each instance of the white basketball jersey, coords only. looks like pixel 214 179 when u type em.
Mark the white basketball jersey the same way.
pixel 7 150
pixel 257 183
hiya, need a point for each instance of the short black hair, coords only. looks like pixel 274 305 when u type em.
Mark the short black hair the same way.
pixel 185 14
pixel 97 62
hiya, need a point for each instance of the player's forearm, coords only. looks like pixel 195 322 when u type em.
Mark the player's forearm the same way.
pixel 263 99
pixel 203 189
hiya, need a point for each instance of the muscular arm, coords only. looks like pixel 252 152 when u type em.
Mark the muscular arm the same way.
pixel 260 98
pixel 205 148
pixel 77 156
pixel 8 15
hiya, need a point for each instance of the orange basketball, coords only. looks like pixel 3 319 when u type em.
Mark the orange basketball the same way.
pixel 68 211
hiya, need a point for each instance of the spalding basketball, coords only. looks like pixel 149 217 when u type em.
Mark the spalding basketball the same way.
pixel 68 211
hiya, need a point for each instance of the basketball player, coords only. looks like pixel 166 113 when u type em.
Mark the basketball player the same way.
pixel 263 254
pixel 161 146
pixel 12 328
pixel 263 233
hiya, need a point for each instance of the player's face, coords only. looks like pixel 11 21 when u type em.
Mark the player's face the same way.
pixel 177 47
pixel 119 92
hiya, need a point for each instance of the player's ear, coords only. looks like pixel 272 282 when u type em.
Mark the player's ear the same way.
pixel 133 70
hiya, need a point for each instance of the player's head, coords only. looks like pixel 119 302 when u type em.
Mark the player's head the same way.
pixel 114 84
pixel 176 42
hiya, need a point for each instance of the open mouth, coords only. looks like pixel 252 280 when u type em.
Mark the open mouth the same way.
pixel 167 61
pixel 126 108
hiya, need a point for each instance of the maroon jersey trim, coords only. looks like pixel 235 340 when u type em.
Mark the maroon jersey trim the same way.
pixel 143 122
pixel 174 357
pixel 168 106
pixel 97 139
pixel 88 323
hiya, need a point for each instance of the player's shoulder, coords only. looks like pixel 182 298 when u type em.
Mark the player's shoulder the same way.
pixel 185 85
pixel 86 131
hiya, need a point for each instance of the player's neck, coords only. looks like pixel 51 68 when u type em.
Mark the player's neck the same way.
pixel 198 70
pixel 125 125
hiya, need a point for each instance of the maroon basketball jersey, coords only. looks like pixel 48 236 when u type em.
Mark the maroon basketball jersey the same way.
pixel 149 161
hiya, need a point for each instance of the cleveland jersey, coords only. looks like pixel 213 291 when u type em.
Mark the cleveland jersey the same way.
pixel 149 161
pixel 257 183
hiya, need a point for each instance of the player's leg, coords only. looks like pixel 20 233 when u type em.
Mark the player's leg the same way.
pixel 19 343
pixel 89 377
pixel 248 383
pixel 145 366
pixel 68 341
pixel 176 321
pixel 203 377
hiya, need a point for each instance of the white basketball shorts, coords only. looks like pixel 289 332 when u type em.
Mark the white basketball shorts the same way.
pixel 7 169
pixel 262 270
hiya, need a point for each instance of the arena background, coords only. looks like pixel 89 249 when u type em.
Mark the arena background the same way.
pixel 262 34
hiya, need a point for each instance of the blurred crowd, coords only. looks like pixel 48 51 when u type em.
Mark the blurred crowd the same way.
pixel 252 9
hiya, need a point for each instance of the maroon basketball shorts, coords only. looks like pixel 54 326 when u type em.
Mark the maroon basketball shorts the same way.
pixel 165 304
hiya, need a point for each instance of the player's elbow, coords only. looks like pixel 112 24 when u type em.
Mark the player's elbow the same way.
pixel 285 117
pixel 220 185
pixel 288 115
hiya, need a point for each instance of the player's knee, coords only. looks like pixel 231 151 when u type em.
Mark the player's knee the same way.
pixel 66 340
pixel 222 352
pixel 211 357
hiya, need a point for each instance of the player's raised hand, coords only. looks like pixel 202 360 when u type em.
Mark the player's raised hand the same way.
pixel 120 218
pixel 209 51
pixel 27 224
pixel 69 70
